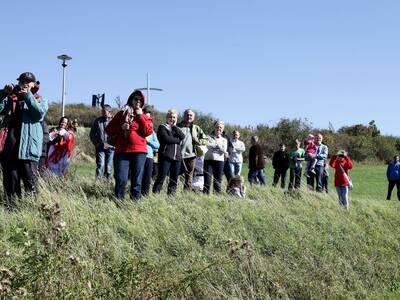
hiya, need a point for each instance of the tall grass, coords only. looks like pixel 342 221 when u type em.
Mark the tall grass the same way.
pixel 74 241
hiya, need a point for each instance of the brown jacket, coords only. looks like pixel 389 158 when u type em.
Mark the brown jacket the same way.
pixel 256 157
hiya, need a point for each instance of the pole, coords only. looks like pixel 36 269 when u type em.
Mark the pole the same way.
pixel 148 88
pixel 64 65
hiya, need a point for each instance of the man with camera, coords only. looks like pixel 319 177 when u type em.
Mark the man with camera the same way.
pixel 22 136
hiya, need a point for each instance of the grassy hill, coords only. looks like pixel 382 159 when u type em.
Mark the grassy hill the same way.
pixel 73 241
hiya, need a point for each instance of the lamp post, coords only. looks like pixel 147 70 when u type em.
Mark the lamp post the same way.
pixel 148 89
pixel 64 58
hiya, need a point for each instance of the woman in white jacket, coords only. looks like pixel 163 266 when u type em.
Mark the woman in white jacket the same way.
pixel 235 154
pixel 214 158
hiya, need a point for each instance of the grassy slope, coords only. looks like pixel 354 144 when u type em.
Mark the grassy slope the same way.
pixel 275 245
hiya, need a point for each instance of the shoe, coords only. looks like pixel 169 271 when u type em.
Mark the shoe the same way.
pixel 313 171
pixel 306 174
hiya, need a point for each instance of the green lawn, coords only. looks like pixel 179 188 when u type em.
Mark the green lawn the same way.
pixel 369 180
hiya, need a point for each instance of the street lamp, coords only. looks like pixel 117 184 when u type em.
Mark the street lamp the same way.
pixel 148 89
pixel 64 58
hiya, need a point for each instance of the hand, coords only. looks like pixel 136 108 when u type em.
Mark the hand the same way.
pixel 195 141
pixel 125 126
pixel 8 88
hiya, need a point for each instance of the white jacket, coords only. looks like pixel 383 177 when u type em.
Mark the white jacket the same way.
pixel 237 149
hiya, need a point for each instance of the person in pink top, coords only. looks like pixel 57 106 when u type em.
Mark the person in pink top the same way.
pixel 310 148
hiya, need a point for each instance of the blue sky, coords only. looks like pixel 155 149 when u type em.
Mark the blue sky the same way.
pixel 246 62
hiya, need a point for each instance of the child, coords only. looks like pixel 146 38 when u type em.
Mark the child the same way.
pixel 236 187
pixel 280 162
pixel 310 149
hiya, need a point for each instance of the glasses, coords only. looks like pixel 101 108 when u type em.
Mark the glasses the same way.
pixel 138 99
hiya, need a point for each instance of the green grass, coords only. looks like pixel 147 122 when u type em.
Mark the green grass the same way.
pixel 271 245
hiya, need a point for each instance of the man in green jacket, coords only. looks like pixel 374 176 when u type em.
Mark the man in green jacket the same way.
pixel 22 149
pixel 194 137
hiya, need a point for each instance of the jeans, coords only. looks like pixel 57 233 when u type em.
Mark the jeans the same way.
pixel 343 193
pixel 391 185
pixel 295 178
pixel 126 163
pixel 256 176
pixel 147 174
pixel 316 178
pixel 165 166
pixel 187 167
pixel 104 162
pixel 282 174
pixel 236 168
pixel 213 168
pixel 227 170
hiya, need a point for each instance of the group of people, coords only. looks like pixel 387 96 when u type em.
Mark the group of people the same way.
pixel 182 148
pixel 128 143
pixel 27 147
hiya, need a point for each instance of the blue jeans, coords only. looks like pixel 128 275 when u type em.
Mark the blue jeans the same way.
pixel 236 168
pixel 126 163
pixel 104 162
pixel 165 166
pixel 343 193
pixel 257 176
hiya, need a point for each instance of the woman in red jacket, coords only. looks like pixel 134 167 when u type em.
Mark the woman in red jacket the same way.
pixel 130 127
pixel 342 164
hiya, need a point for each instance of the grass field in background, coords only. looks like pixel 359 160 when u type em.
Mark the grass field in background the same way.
pixel 369 179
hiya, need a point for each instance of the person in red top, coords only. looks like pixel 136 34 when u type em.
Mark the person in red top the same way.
pixel 342 164
pixel 130 127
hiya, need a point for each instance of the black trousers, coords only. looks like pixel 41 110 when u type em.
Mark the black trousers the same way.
pixel 391 185
pixel 167 166
pixel 213 168
pixel 147 174
pixel 13 173
pixel 295 178
pixel 280 173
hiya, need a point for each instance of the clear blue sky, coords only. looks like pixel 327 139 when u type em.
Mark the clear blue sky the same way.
pixel 246 62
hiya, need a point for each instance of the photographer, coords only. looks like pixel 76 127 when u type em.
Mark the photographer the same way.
pixel 130 127
pixel 342 164
pixel 23 135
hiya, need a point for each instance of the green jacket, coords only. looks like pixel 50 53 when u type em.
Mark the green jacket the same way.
pixel 30 146
pixel 201 138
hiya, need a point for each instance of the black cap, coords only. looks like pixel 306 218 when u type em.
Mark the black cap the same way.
pixel 27 76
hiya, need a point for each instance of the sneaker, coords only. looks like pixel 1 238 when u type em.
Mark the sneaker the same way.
pixel 313 171
pixel 306 174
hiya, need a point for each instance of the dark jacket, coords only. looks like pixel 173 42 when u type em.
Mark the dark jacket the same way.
pixel 256 157
pixel 393 171
pixel 46 139
pixel 170 139
pixel 280 160
pixel 98 135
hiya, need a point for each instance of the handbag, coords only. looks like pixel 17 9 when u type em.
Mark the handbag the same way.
pixel 347 178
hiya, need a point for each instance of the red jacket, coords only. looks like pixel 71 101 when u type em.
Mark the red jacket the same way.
pixel 133 140
pixel 340 178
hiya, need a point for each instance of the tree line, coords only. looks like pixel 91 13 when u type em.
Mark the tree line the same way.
pixel 364 142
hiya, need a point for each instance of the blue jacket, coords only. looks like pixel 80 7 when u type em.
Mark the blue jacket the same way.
pixel 393 171
pixel 152 145
pixel 30 147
